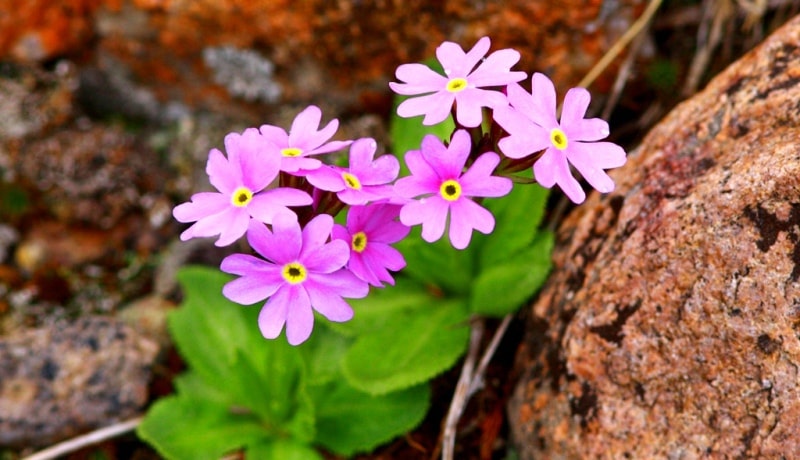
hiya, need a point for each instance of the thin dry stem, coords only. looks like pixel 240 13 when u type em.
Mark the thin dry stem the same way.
pixel 88 439
pixel 461 394
pixel 620 45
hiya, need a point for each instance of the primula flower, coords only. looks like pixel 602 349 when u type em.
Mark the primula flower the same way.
pixel 302 141
pixel 461 83
pixel 532 125
pixel 241 179
pixel 302 273
pixel 436 175
pixel 369 232
pixel 364 180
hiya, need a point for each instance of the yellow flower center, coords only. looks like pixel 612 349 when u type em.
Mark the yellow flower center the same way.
pixel 558 138
pixel 351 181
pixel 291 152
pixel 241 196
pixel 457 84
pixel 294 273
pixel 359 242
pixel 450 190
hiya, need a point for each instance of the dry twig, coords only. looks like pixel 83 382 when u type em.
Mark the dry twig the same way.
pixel 88 439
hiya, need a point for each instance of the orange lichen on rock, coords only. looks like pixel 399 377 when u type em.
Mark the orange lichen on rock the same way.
pixel 35 30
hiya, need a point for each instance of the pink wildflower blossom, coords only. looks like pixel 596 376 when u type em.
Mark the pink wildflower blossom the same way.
pixel 436 177
pixel 461 83
pixel 303 140
pixel 302 273
pixel 531 123
pixel 241 179
pixel 364 180
pixel 370 231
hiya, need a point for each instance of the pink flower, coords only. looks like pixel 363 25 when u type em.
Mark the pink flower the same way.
pixel 461 83
pixel 302 141
pixel 302 273
pixel 241 179
pixel 370 231
pixel 531 123
pixel 364 181
pixel 436 176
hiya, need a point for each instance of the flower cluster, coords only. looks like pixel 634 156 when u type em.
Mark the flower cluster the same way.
pixel 273 188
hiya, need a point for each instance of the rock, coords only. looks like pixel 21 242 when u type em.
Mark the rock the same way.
pixel 59 381
pixel 343 51
pixel 670 326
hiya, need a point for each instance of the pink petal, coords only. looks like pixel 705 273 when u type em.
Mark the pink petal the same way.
pixel 305 124
pixel 258 169
pixel 329 303
pixel 544 97
pixel 418 78
pixel 585 162
pixel 203 204
pixel 470 101
pixel 273 314
pixel 575 104
pixel 234 227
pixel 275 135
pixel 294 164
pixel 552 168
pixel 327 147
pixel 266 205
pixel 340 232
pixel 591 129
pixel 299 317
pixel 455 62
pixel 525 137
pixel 478 180
pixel 327 178
pixel 359 266
pixel 464 216
pixel 342 283
pixel 495 69
pixel 436 107
pixel 381 171
pixel 423 179
pixel 430 212
pixel 283 244
pixel 223 175
pixel 388 256
pixel 604 155
pixel 328 258
pixel 362 152
pixel 315 234
pixel 390 232
pixel 255 286
pixel 546 167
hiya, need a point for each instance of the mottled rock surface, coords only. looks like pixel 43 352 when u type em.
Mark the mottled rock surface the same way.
pixel 670 326
pixel 57 382
pixel 318 49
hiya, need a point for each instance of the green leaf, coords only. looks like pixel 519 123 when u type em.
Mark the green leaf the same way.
pixel 323 354
pixel 504 287
pixel 414 348
pixel 437 265
pixel 350 421
pixel 517 218
pixel 221 342
pixel 208 329
pixel 385 307
pixel 282 450
pixel 407 133
pixel 181 428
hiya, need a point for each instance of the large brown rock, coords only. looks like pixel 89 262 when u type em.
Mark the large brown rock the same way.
pixel 670 326
pixel 61 380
